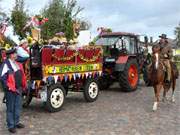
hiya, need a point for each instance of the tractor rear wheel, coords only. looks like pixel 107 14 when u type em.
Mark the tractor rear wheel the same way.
pixel 129 78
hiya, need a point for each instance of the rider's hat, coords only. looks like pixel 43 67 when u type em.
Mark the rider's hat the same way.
pixel 163 36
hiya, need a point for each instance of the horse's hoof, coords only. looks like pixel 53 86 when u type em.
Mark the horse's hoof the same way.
pixel 154 109
pixel 165 99
pixel 173 100
pixel 155 106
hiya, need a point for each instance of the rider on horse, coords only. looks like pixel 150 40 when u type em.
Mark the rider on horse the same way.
pixel 166 55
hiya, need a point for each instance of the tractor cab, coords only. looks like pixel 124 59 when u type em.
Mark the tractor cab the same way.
pixel 122 59
pixel 117 44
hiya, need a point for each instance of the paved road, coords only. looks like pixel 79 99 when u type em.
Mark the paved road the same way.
pixel 114 113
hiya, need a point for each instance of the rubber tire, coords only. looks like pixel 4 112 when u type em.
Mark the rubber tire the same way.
pixel 86 88
pixel 26 102
pixel 104 83
pixel 145 77
pixel 123 77
pixel 48 105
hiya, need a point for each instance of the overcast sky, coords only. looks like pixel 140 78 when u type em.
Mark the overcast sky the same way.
pixel 150 17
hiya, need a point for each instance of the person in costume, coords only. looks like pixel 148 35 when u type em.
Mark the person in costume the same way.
pixel 35 23
pixel 13 78
pixel 166 55
pixel 23 51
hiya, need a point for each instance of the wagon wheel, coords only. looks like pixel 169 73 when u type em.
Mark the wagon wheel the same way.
pixel 55 97
pixel 91 90
pixel 26 99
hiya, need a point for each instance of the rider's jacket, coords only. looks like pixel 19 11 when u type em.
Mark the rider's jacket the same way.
pixel 166 50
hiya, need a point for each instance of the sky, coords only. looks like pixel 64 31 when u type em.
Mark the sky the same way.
pixel 145 17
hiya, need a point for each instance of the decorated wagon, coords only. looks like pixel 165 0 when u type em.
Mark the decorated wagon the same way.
pixel 56 70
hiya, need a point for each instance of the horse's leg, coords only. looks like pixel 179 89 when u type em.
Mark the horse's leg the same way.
pixel 155 102
pixel 173 89
pixel 164 94
pixel 157 90
pixel 166 89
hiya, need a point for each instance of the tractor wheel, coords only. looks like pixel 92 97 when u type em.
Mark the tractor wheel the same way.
pixel 145 77
pixel 55 97
pixel 91 90
pixel 26 99
pixel 129 78
pixel 104 82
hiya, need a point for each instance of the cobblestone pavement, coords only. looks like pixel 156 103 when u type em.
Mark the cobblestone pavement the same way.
pixel 114 113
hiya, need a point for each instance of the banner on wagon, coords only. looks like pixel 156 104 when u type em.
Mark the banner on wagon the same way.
pixel 63 69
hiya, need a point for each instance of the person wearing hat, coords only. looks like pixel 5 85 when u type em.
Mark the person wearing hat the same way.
pixel 2 58
pixel 13 78
pixel 166 55
pixel 22 51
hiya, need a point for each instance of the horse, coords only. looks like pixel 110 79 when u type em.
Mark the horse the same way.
pixel 157 78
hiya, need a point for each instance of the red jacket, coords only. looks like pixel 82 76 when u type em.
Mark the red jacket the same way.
pixel 9 80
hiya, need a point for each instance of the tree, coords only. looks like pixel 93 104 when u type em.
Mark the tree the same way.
pixel 19 18
pixel 2 14
pixel 70 20
pixel 55 14
pixel 177 33
pixel 61 18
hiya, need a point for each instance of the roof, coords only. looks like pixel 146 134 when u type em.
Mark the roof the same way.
pixel 119 34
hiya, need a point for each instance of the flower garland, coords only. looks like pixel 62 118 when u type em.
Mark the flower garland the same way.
pixel 82 57
pixel 65 58
pixel 93 59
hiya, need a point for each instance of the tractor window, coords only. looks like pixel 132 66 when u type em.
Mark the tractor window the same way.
pixel 132 46
pixel 106 41
pixel 129 44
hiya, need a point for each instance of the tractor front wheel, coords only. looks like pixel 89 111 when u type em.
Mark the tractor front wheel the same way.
pixel 145 76
pixel 128 79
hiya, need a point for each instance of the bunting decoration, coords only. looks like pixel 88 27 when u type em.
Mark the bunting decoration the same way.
pixel 69 77
pixel 56 78
pixel 66 78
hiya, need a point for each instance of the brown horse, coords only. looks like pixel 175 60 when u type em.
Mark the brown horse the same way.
pixel 157 78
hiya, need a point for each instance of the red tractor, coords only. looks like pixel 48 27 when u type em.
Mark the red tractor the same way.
pixel 123 60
